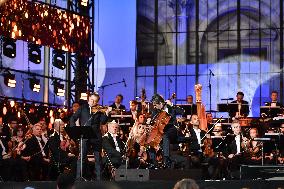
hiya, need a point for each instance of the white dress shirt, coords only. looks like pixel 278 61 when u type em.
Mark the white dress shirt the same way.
pixel 238 143
pixel 197 132
pixel 41 147
pixel 115 141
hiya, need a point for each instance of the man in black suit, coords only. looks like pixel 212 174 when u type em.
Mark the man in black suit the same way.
pixel 36 154
pixel 59 154
pixel 112 145
pixel 117 103
pixel 239 107
pixel 190 108
pixel 91 119
pixel 274 100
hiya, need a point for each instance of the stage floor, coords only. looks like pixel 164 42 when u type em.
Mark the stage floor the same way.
pixel 238 184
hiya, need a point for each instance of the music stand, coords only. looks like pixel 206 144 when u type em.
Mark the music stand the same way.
pixel 270 111
pixel 80 132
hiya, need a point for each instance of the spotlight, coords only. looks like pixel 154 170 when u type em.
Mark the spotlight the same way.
pixel 84 3
pixel 9 80
pixel 34 53
pixel 9 47
pixel 58 60
pixel 34 84
pixel 59 89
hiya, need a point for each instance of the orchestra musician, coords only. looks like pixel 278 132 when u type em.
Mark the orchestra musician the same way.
pixel 195 146
pixel 36 154
pixel 254 147
pixel 274 100
pixel 117 103
pixel 191 108
pixel 281 147
pixel 59 148
pixel 113 145
pixel 170 131
pixel 241 109
pixel 92 119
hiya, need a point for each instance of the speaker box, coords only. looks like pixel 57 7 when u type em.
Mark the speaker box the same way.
pixel 261 172
pixel 159 174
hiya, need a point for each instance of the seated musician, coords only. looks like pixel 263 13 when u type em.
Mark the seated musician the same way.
pixel 36 154
pixel 196 135
pixel 209 118
pixel 112 146
pixel 281 147
pixel 59 147
pixel 238 110
pixel 274 100
pixel 191 109
pixel 254 147
pixel 170 131
pixel 117 103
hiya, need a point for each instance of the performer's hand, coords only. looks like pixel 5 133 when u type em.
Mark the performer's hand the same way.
pixel 231 156
pixel 46 160
pixel 28 158
pixel 71 155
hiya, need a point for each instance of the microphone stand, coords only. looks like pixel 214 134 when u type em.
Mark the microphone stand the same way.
pixel 107 85
pixel 210 91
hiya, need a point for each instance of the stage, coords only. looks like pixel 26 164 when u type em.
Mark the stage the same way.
pixel 252 184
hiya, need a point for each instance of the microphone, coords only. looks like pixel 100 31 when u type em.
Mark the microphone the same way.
pixel 211 72
pixel 124 82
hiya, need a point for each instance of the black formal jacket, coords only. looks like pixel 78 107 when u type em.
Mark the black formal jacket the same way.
pixel 194 146
pixel 33 149
pixel 277 104
pixel 57 154
pixel 121 106
pixel 92 120
pixel 244 109
pixel 109 147
pixel 232 146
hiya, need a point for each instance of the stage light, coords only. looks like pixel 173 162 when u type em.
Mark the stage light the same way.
pixel 34 53
pixel 59 89
pixel 84 3
pixel 84 96
pixel 34 84
pixel 58 60
pixel 9 47
pixel 9 80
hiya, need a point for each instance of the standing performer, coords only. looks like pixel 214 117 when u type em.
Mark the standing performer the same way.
pixel 94 119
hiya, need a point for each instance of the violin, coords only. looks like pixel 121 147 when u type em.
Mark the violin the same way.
pixel 99 108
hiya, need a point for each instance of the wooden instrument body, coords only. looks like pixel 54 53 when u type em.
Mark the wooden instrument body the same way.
pixel 155 135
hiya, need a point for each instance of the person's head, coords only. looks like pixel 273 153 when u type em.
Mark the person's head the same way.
pixel 217 131
pixel 141 129
pixel 133 105
pixel 186 184
pixel 141 118
pixel 118 99
pixel 58 125
pixel 158 101
pixel 65 181
pixel 236 127
pixel 113 127
pixel 18 131
pixel 13 123
pixel 240 96
pixel 282 128
pixel 194 120
pixel 253 133
pixel 37 131
pixel 43 124
pixel 209 117
pixel 75 106
pixel 274 96
pixel 189 99
pixel 93 99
